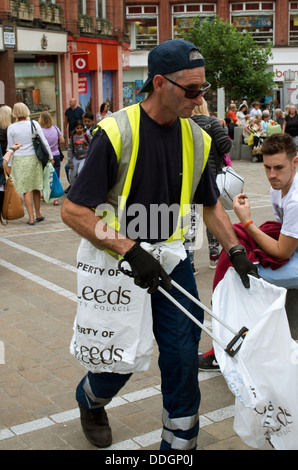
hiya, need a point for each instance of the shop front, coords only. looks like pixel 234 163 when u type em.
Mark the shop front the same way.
pixel 284 64
pixel 92 73
pixel 37 71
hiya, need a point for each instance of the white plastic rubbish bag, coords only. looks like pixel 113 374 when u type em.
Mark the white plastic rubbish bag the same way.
pixel 113 325
pixel 263 375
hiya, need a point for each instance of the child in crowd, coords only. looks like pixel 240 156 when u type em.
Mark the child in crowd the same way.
pixel 77 150
pixel 89 124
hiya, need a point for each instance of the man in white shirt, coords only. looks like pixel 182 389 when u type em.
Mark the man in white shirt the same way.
pixel 280 163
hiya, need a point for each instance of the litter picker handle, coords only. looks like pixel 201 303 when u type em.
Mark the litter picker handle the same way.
pixel 197 322
pixel 234 345
pixel 128 272
pixel 196 301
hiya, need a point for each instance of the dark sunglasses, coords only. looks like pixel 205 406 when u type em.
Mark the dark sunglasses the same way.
pixel 189 93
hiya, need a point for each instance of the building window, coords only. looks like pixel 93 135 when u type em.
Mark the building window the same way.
pixel 143 26
pixel 183 16
pixel 100 8
pixel 82 8
pixel 293 29
pixel 256 18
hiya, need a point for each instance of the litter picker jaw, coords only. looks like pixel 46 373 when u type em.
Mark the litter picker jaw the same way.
pixel 234 345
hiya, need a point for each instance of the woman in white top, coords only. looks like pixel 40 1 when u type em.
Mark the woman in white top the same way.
pixel 27 171
pixel 241 113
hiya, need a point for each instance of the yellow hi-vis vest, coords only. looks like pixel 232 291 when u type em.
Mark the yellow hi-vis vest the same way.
pixel 122 129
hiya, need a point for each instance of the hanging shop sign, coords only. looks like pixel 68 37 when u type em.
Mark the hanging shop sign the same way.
pixel 80 62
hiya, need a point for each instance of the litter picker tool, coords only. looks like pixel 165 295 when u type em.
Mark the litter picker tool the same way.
pixel 234 345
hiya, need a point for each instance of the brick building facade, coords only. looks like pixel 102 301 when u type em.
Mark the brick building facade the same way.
pixel 39 46
pixel 151 22
pixel 40 40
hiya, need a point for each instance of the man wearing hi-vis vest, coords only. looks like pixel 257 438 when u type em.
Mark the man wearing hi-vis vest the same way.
pixel 148 156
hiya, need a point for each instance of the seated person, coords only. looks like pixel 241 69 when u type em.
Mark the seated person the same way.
pixel 257 126
pixel 265 120
pixel 247 128
pixel 273 245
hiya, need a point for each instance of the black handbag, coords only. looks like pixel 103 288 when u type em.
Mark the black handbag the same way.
pixel 39 147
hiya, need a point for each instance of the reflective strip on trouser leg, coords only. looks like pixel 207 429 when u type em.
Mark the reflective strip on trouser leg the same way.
pixel 97 390
pixel 91 398
pixel 178 337
pixel 188 423
pixel 178 443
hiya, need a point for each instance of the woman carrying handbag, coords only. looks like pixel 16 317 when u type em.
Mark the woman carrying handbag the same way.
pixel 27 169
pixel 4 160
pixel 55 139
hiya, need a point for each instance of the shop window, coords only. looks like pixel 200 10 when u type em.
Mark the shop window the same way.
pixel 143 26
pixel 293 30
pixel 256 18
pixel 183 16
pixel 36 84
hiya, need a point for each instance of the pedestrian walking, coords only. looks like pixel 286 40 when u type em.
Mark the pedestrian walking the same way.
pixel 290 125
pixel 77 150
pixel 163 159
pixel 72 114
pixel 27 171
pixel 55 138
pixel 5 121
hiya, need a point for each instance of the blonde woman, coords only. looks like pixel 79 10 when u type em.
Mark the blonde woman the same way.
pixel 5 121
pixel 26 169
pixel 55 138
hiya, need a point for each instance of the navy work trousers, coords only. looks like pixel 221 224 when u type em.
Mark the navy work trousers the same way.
pixel 177 337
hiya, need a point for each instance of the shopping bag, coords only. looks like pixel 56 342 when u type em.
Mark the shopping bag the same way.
pixel 113 324
pixel 263 375
pixel 229 184
pixel 12 207
pixel 57 190
pixel 52 188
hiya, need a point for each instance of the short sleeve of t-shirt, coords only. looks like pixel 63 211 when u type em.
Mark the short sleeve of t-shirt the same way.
pixel 285 209
pixel 97 175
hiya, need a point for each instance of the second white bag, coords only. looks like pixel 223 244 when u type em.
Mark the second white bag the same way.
pixel 263 375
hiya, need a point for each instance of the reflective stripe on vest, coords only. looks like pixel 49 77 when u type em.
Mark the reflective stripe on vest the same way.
pixel 122 129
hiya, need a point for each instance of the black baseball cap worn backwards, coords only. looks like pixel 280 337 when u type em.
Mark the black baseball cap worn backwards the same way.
pixel 171 56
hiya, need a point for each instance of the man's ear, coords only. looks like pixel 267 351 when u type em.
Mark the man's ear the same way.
pixel 159 83
pixel 295 161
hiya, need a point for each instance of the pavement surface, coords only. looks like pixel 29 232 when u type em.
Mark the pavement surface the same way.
pixel 38 375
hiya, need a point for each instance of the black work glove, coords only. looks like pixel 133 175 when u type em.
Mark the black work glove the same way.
pixel 146 270
pixel 242 264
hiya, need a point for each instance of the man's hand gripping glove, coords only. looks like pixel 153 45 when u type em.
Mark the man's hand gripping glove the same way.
pixel 242 265
pixel 146 270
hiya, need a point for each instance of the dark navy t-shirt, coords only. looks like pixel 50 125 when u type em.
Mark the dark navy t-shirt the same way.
pixel 156 183
pixel 73 115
